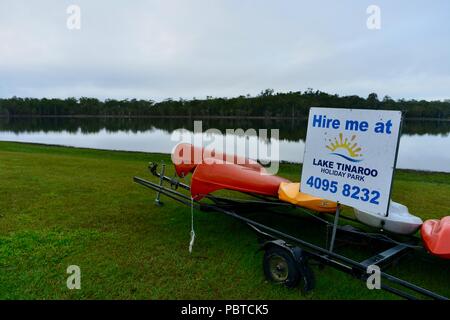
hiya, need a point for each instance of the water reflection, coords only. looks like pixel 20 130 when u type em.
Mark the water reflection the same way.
pixel 424 145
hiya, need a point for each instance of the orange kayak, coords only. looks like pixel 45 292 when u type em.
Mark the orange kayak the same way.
pixel 186 157
pixel 208 178
pixel 436 236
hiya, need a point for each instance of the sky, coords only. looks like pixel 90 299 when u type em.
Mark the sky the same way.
pixel 223 48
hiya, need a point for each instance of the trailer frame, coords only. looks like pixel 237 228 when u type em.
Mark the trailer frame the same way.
pixel 301 250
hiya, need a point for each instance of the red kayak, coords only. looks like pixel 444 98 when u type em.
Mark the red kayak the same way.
pixel 208 178
pixel 186 157
pixel 436 236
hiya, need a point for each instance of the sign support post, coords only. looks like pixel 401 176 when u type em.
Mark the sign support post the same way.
pixel 395 162
pixel 335 224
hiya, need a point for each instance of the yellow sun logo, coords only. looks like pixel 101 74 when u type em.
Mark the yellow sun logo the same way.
pixel 350 146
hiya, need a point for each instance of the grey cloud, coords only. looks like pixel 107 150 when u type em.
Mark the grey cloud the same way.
pixel 175 48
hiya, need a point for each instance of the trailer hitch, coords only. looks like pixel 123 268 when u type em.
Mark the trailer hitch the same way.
pixel 174 182
pixel 161 180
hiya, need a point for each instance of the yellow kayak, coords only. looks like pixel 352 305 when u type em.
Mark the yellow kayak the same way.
pixel 290 192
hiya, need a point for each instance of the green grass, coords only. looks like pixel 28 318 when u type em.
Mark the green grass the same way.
pixel 66 206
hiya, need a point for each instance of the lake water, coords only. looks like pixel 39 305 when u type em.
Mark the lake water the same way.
pixel 424 145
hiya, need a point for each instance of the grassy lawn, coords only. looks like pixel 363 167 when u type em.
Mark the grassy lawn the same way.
pixel 67 206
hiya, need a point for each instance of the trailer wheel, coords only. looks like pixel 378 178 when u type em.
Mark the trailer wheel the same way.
pixel 280 267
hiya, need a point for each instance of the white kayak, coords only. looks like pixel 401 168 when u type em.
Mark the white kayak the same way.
pixel 398 221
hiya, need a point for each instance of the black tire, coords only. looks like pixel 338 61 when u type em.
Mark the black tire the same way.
pixel 280 267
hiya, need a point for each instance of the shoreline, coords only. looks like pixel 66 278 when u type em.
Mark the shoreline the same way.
pixel 81 116
pixel 44 145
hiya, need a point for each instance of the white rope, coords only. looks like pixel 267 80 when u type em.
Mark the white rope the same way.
pixel 191 243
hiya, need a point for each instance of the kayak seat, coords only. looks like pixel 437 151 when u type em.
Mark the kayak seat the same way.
pixel 290 192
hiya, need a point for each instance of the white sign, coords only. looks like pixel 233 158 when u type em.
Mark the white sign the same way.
pixel 350 156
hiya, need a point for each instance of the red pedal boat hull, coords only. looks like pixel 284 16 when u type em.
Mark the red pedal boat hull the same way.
pixel 436 236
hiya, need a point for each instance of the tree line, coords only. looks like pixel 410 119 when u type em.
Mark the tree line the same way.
pixel 265 105
pixel 289 129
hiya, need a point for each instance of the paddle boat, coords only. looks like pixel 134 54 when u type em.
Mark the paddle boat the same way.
pixel 398 221
pixel 436 236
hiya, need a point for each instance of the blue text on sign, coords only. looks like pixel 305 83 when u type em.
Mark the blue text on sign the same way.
pixel 321 121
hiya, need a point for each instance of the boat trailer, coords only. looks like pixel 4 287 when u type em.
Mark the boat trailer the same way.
pixel 287 257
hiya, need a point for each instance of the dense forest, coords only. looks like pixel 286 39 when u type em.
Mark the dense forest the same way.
pixel 267 105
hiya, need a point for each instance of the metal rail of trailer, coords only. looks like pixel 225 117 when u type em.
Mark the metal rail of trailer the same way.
pixel 298 252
